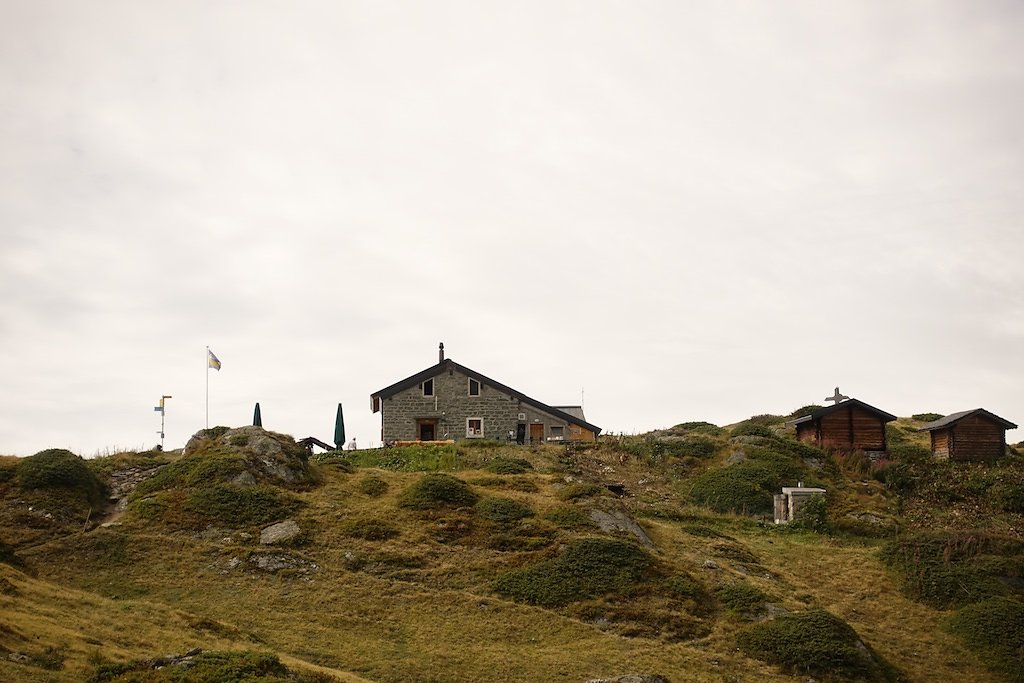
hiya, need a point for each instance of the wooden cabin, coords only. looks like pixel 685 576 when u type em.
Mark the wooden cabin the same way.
pixel 849 425
pixel 969 435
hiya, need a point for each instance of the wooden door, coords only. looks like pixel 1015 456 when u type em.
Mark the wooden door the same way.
pixel 536 433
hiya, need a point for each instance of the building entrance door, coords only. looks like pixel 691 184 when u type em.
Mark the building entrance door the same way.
pixel 536 433
pixel 520 433
pixel 428 430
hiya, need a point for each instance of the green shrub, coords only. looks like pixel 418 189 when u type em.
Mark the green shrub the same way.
pixel 995 628
pixel 815 643
pixel 368 529
pixel 812 515
pixel 700 427
pixel 746 487
pixel 927 417
pixel 503 510
pixel 437 491
pixel 208 667
pixel 59 468
pixel 909 453
pixel 479 443
pixel 589 568
pixel 570 518
pixel 948 570
pixel 237 505
pixel 751 429
pixel 193 471
pixel 372 486
pixel 654 449
pixel 898 476
pixel 580 490
pixel 742 598
pixel 682 585
pixel 412 458
pixel 805 410
pixel 1009 497
pixel 504 465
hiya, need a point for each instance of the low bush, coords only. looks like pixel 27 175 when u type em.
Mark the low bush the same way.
pixel 909 453
pixel 814 643
pixel 805 410
pixel 927 417
pixel 368 529
pixel 211 666
pixel 812 516
pixel 950 570
pixel 193 471
pixel 589 568
pixel 437 491
pixel 573 518
pixel 752 429
pixel 699 427
pixel 742 598
pixel 372 486
pixel 503 510
pixel 239 505
pixel 504 465
pixel 746 487
pixel 412 458
pixel 654 449
pixel 580 490
pixel 995 629
pixel 1009 497
pixel 57 468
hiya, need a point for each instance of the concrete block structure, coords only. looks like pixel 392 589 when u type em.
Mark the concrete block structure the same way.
pixel 449 401
pixel 792 498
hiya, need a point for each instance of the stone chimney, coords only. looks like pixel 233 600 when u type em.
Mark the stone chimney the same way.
pixel 440 352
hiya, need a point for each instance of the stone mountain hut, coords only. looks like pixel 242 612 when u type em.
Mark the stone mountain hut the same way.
pixel 449 401
pixel 969 435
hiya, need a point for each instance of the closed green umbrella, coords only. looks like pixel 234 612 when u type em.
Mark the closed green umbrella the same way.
pixel 339 430
pixel 257 420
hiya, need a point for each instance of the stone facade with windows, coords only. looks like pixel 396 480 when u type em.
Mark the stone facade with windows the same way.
pixel 451 402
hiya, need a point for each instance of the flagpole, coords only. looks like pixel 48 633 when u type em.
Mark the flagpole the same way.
pixel 207 360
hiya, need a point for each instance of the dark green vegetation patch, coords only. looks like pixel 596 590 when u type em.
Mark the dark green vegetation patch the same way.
pixel 950 570
pixel 503 465
pixel 503 510
pixel 372 486
pixel 570 518
pixel 995 628
pixel 57 468
pixel 742 598
pixel 368 529
pixel 746 487
pixel 815 643
pixel 580 490
pixel 434 491
pixel 206 667
pixel 589 568
pixel 217 504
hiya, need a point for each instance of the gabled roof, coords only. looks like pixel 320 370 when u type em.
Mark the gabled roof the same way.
pixel 956 417
pixel 449 364
pixel 822 412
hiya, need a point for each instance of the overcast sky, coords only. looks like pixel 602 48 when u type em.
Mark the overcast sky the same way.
pixel 678 210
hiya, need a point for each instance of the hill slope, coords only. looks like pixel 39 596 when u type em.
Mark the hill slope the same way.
pixel 497 563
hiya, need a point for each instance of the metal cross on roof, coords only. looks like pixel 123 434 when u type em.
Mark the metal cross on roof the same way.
pixel 837 397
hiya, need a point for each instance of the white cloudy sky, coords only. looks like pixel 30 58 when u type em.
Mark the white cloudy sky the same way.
pixel 688 210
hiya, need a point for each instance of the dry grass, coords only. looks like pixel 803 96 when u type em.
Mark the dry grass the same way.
pixel 418 605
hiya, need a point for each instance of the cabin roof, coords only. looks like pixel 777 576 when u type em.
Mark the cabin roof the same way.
pixel 953 418
pixel 449 364
pixel 822 412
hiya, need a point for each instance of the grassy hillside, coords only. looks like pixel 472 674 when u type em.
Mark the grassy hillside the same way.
pixel 485 562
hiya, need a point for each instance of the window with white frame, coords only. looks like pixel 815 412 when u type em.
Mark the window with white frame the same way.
pixel 474 427
pixel 557 432
pixel 474 387
pixel 428 387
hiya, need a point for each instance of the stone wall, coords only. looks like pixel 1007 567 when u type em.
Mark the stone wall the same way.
pixel 451 405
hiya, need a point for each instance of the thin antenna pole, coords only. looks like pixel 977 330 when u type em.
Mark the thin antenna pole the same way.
pixel 206 360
